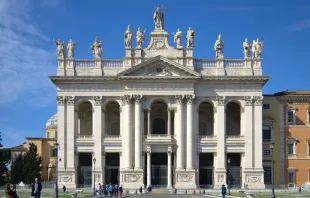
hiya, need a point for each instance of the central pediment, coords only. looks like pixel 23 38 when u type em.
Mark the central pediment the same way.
pixel 159 67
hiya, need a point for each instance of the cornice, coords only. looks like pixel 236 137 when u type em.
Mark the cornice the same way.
pixel 294 98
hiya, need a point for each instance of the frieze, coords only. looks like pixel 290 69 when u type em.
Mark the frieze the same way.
pixel 90 87
pixel 254 179
pixel 133 178
pixel 65 178
pixel 161 86
pixel 185 178
pixel 220 178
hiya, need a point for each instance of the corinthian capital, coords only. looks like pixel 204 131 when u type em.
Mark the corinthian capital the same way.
pixel 190 99
pixel 70 100
pixel 248 100
pixel 179 99
pixel 220 100
pixel 98 100
pixel 137 98
pixel 126 99
pixel 258 100
pixel 60 100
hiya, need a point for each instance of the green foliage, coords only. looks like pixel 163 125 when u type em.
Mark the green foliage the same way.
pixel 32 165
pixel 5 158
pixel 16 173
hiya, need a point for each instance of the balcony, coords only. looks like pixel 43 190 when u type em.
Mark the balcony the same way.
pixel 112 139
pixel 162 139
pixel 85 140
pixel 207 143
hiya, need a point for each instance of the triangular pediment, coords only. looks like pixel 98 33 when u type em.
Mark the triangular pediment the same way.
pixel 159 67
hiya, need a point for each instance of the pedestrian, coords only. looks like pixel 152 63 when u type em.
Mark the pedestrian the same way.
pixel 14 192
pixel 223 191
pixel 120 191
pixel 36 188
pixel 8 191
pixel 64 189
pixel 140 192
pixel 116 190
pixel 149 189
pixel 111 190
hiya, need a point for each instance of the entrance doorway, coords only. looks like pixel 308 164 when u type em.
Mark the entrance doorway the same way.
pixel 84 170
pixel 206 170
pixel 234 171
pixel 112 168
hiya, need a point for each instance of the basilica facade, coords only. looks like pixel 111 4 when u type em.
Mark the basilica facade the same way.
pixel 160 116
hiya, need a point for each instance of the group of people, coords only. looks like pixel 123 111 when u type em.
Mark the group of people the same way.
pixel 10 190
pixel 109 190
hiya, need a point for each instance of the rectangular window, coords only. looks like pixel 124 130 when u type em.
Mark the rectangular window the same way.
pixel 308 148
pixel 266 152
pixel 266 106
pixel 308 175
pixel 290 149
pixel 291 177
pixel 54 152
pixel 267 174
pixel 290 116
pixel 309 115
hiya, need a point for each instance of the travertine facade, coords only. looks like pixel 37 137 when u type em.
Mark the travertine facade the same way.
pixel 169 118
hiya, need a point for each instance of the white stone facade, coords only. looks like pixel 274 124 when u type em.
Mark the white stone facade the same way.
pixel 167 83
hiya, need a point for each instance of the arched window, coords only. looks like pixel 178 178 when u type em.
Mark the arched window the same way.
pixel 159 126
pixel 115 128
pixel 203 128
pixel 229 129
pixel 266 133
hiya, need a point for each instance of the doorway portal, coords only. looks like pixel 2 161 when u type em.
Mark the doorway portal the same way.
pixel 206 170
pixel 234 171
pixel 112 168
pixel 84 170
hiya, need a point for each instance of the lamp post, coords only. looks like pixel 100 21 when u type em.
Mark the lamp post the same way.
pixel 272 176
pixel 228 175
pixel 56 147
pixel 94 160
pixel 0 141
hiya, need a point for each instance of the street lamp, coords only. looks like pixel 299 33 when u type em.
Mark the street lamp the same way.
pixel 94 160
pixel 0 141
pixel 272 176
pixel 228 175
pixel 56 147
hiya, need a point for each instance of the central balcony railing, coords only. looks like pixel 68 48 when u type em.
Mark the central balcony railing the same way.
pixel 85 137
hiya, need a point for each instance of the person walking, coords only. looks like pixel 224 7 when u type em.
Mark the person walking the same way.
pixel 8 191
pixel 14 192
pixel 120 191
pixel 36 188
pixel 140 192
pixel 223 191
pixel 64 188
pixel 111 190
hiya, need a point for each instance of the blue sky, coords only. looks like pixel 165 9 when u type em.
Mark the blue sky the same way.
pixel 28 54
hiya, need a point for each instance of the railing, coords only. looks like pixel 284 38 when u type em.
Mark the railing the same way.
pixel 234 63
pixel 207 136
pixel 112 63
pixel 85 63
pixel 158 136
pixel 234 136
pixel 209 63
pixel 112 136
pixel 204 63
pixel 85 136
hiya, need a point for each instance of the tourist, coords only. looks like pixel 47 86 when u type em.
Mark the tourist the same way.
pixel 36 188
pixel 111 190
pixel 105 191
pixel 140 192
pixel 120 191
pixel 64 189
pixel 149 189
pixel 115 189
pixel 14 192
pixel 8 191
pixel 223 191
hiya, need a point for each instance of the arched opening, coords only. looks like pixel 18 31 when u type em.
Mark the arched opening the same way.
pixel 159 117
pixel 85 118
pixel 112 118
pixel 206 119
pixel 233 116
pixel 266 133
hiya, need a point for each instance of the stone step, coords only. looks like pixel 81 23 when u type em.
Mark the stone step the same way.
pixel 160 191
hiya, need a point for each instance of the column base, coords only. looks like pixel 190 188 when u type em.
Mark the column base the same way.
pixel 220 178
pixel 185 179
pixel 67 177
pixel 254 179
pixel 132 179
pixel 99 177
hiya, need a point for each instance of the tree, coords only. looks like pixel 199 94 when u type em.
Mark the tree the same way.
pixel 5 159
pixel 17 166
pixel 32 164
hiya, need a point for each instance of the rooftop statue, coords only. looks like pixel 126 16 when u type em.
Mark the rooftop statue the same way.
pixel 219 47
pixel 96 48
pixel 128 37
pixel 177 38
pixel 61 49
pixel 140 38
pixel 70 48
pixel 247 48
pixel 257 48
pixel 190 38
pixel 159 18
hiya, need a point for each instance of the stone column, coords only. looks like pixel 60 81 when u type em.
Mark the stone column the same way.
pixel 258 101
pixel 248 128
pixel 61 131
pixel 220 121
pixel 97 134
pixel 126 141
pixel 148 121
pixel 148 163
pixel 180 132
pixel 138 138
pixel 169 121
pixel 70 134
pixel 169 168
pixel 190 134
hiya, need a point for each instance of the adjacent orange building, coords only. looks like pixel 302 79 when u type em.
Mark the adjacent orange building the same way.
pixel 296 108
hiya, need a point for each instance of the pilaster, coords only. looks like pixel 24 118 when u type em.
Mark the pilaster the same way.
pixel 61 129
pixel 70 134
pixel 70 67
pixel 138 129
pixel 247 120
pixel 61 67
pixel 180 133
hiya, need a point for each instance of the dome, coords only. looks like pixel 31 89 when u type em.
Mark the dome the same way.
pixel 52 122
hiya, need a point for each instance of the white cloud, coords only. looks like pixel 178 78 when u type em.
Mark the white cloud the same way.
pixel 24 66
pixel 302 25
